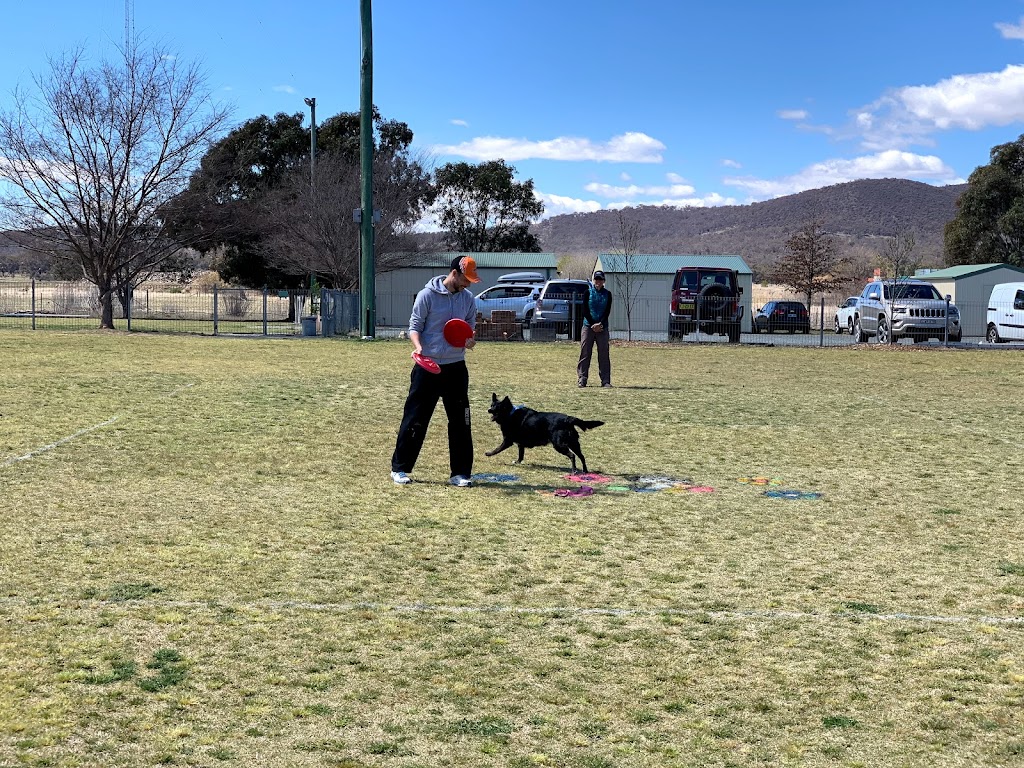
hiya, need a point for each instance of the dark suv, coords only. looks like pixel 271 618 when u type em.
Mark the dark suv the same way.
pixel 705 299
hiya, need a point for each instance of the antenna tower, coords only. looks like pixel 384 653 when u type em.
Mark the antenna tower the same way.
pixel 129 24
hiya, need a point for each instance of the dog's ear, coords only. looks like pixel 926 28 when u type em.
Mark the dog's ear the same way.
pixel 507 400
pixel 494 397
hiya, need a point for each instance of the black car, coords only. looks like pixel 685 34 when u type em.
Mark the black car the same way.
pixel 782 316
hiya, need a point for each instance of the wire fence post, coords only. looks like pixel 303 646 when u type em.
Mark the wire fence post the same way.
pixel 264 310
pixel 128 306
pixel 215 318
pixel 821 323
pixel 33 303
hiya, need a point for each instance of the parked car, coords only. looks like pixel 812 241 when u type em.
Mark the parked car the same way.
pixel 561 303
pixel 782 316
pixel 1005 317
pixel 705 299
pixel 844 315
pixel 520 297
pixel 913 308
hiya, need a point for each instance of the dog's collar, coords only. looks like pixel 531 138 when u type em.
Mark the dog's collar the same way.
pixel 517 407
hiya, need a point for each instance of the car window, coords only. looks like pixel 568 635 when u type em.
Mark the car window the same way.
pixel 917 291
pixel 492 293
pixel 1018 300
pixel 515 291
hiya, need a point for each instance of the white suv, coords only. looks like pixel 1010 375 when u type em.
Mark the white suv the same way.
pixel 891 309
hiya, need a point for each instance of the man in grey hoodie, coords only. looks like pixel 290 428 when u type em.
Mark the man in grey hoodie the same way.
pixel 442 299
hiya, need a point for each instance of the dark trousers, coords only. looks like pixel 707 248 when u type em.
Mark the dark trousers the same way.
pixel 588 338
pixel 451 386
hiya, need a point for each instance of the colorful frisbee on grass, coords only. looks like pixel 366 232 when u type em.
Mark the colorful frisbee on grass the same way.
pixel 426 363
pixel 457 332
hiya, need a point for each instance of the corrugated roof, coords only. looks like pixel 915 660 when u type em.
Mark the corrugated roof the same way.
pixel 663 263
pixel 491 260
pixel 963 270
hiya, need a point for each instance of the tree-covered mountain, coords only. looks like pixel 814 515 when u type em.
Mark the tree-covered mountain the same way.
pixel 857 214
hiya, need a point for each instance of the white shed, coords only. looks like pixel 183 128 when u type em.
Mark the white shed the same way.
pixel 651 278
pixel 397 289
pixel 969 286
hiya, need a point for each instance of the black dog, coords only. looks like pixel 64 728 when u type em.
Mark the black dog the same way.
pixel 528 428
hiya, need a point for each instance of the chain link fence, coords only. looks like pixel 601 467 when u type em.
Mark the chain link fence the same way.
pixel 772 319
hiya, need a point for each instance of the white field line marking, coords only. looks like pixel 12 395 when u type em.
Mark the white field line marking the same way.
pixel 79 433
pixel 429 608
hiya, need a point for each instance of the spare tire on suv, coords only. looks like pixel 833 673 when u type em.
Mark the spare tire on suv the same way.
pixel 706 299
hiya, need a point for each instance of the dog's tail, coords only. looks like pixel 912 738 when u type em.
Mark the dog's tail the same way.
pixel 585 425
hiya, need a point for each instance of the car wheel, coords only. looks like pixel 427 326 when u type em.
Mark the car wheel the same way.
pixel 993 335
pixel 857 332
pixel 956 339
pixel 849 326
pixel 527 319
pixel 838 328
pixel 883 331
pixel 734 334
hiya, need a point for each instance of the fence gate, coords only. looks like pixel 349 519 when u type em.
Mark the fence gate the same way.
pixel 339 312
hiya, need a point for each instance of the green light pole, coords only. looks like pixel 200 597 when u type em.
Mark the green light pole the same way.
pixel 367 283
pixel 311 103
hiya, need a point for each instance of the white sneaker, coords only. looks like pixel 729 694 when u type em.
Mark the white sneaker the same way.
pixel 460 481
pixel 401 478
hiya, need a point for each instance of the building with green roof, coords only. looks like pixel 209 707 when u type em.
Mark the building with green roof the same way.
pixel 969 287
pixel 397 288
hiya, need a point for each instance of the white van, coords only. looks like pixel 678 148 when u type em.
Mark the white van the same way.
pixel 1005 320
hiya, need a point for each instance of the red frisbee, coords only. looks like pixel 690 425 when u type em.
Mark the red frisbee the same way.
pixel 457 332
pixel 426 363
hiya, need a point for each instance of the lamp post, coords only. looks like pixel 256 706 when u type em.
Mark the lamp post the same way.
pixel 311 103
pixel 367 279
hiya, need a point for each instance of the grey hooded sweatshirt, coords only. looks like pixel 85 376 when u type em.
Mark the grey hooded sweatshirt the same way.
pixel 435 306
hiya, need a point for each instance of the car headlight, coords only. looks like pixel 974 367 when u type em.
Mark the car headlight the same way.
pixel 954 312
pixel 899 310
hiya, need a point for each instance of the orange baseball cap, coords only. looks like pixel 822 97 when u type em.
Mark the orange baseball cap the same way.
pixel 467 266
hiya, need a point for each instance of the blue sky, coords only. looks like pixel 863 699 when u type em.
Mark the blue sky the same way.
pixel 666 102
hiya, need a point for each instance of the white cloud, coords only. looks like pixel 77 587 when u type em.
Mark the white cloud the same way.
pixel 675 178
pixel 555 205
pixel 284 89
pixel 731 163
pixel 1011 31
pixel 463 123
pixel 634 190
pixel 706 201
pixel 625 176
pixel 626 148
pixel 881 165
pixel 792 114
pixel 970 102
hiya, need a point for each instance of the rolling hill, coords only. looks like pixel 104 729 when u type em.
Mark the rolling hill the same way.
pixel 858 214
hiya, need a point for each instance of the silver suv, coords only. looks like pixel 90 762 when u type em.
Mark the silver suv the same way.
pixel 561 302
pixel 892 309
pixel 518 292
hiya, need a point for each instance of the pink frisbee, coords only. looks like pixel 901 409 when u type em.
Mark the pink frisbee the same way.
pixel 426 363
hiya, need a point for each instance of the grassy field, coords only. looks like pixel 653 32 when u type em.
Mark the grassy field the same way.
pixel 203 561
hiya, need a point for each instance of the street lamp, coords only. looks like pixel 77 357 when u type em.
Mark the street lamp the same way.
pixel 311 103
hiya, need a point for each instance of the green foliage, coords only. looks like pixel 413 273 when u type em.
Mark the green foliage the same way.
pixel 169 670
pixel 483 209
pixel 989 225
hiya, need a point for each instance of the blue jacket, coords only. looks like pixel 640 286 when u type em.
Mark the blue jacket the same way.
pixel 435 306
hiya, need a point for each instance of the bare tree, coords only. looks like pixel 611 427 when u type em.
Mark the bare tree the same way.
pixel 95 156
pixel 311 229
pixel 811 264
pixel 625 245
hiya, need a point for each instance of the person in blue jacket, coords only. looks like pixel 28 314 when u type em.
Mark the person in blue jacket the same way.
pixel 441 299
pixel 596 310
